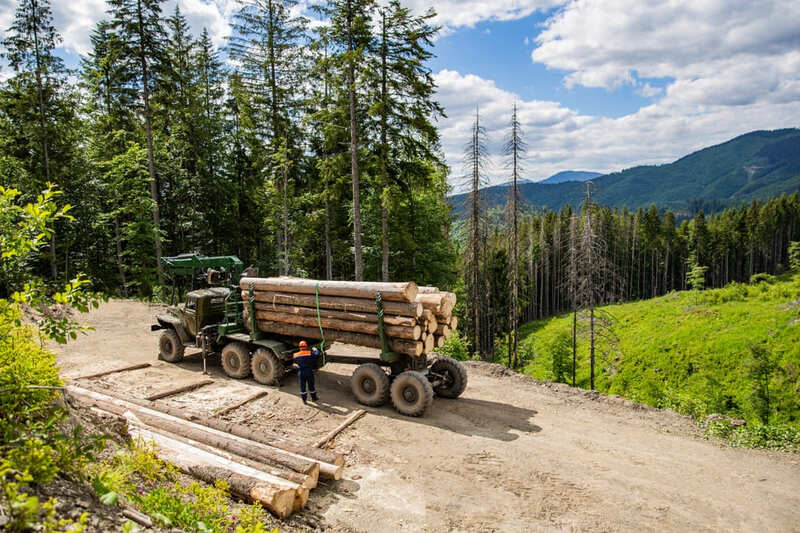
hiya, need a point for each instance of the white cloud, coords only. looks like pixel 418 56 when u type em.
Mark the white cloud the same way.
pixel 459 13
pixel 527 41
pixel 560 138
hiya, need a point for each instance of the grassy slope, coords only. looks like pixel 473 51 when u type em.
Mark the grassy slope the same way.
pixel 687 350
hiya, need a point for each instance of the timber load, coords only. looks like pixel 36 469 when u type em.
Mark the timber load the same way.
pixel 416 320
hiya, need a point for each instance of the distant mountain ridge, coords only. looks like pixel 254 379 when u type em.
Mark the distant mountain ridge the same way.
pixel 571 175
pixel 756 165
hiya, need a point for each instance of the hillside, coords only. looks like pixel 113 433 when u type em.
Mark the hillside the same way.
pixel 687 350
pixel 571 175
pixel 757 165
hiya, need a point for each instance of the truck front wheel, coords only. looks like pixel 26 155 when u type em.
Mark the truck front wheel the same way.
pixel 170 347
pixel 267 369
pixel 370 385
pixel 236 360
pixel 412 393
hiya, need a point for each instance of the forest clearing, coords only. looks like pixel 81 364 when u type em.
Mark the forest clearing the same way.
pixel 512 453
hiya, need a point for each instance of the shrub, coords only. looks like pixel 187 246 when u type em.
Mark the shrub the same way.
pixel 455 347
pixel 762 277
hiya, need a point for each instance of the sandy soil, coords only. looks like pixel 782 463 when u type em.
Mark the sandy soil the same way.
pixel 512 454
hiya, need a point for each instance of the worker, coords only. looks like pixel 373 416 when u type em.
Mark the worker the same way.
pixel 304 358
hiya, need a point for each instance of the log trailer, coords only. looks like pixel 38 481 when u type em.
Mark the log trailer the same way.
pixel 217 319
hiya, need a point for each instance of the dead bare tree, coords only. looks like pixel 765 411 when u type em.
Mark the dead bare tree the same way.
pixel 515 148
pixel 475 158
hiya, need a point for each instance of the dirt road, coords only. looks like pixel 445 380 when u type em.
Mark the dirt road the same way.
pixel 511 454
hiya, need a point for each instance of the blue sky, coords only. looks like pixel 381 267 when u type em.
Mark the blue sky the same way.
pixel 600 85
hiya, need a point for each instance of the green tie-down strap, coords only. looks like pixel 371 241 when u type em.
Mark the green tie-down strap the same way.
pixel 319 323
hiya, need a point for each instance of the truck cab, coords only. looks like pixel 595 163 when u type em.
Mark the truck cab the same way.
pixel 203 307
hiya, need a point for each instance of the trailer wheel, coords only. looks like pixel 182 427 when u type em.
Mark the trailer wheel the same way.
pixel 267 369
pixel 412 393
pixel 450 377
pixel 236 360
pixel 170 347
pixel 370 385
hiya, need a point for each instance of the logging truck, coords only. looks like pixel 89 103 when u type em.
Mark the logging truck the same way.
pixel 254 325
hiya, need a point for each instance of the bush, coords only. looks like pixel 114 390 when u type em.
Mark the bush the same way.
pixel 782 437
pixel 455 347
pixel 762 277
pixel 560 349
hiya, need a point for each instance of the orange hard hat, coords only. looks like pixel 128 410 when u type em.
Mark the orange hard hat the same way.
pixel 303 344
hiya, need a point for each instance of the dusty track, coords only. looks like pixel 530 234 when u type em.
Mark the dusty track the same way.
pixel 511 455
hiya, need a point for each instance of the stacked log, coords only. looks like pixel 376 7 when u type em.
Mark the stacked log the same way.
pixel 347 312
pixel 273 472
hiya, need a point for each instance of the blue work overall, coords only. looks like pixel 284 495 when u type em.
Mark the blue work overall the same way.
pixel 304 360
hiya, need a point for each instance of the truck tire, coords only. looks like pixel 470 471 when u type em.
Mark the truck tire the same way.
pixel 454 374
pixel 370 385
pixel 412 393
pixel 170 347
pixel 267 369
pixel 236 360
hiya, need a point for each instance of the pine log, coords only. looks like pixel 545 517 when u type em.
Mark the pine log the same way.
pixel 430 320
pixel 390 292
pixel 407 347
pixel 430 344
pixel 444 331
pixel 428 290
pixel 357 305
pixel 350 419
pixel 252 450
pixel 226 410
pixel 453 323
pixel 114 371
pixel 439 340
pixel 178 390
pixel 440 304
pixel 322 457
pixel 392 320
pixel 397 332
pixel 261 452
pixel 244 481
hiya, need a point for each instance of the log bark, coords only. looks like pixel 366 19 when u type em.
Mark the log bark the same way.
pixel 392 320
pixel 393 292
pixel 350 419
pixel 430 344
pixel 263 453
pixel 453 323
pixel 443 331
pixel 252 397
pixel 179 390
pixel 114 371
pixel 328 461
pixel 412 309
pixel 397 332
pixel 428 290
pixel 407 347
pixel 430 320
pixel 249 483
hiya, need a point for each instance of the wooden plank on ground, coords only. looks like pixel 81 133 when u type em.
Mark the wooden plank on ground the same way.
pixel 180 390
pixel 329 437
pixel 115 371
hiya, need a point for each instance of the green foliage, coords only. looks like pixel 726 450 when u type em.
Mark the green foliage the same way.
pixel 695 274
pixel 784 437
pixel 560 350
pixel 697 360
pixel 794 256
pixel 456 347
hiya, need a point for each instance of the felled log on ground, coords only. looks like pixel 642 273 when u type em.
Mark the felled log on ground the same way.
pixel 252 397
pixel 330 436
pixel 394 292
pixel 320 456
pixel 179 390
pixel 396 332
pixel 407 347
pixel 391 320
pixel 114 371
pixel 246 482
pixel 219 438
pixel 336 303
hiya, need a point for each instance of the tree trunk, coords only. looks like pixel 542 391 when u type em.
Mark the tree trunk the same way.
pixel 394 292
pixel 351 81
pixel 120 266
pixel 151 167
pixel 337 303
pixel 574 343
pixel 591 347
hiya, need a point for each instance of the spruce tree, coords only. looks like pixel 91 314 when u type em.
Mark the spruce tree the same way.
pixel 141 34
